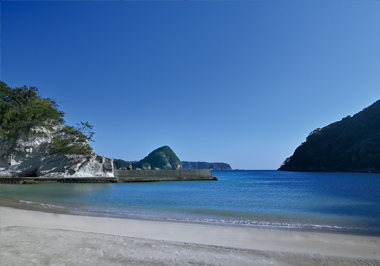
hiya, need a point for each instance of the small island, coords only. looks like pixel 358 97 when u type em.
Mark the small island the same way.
pixel 161 164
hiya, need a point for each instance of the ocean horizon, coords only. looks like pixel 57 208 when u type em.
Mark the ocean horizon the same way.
pixel 336 202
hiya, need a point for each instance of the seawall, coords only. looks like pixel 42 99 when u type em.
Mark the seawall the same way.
pixel 121 176
pixel 162 175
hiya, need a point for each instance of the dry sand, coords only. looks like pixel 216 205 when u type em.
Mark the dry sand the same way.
pixel 39 238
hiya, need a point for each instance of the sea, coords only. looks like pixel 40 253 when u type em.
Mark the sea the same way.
pixel 335 202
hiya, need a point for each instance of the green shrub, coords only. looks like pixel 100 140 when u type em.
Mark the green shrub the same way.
pixel 68 147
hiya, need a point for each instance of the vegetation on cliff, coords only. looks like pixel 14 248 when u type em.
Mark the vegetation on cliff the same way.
pixel 161 158
pixel 22 108
pixel 76 140
pixel 352 144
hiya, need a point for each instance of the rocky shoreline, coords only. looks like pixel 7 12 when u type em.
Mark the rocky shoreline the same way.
pixel 30 158
pixel 38 180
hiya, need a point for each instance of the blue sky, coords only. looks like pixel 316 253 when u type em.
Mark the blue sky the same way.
pixel 240 82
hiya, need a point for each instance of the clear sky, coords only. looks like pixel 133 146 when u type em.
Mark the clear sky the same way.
pixel 242 82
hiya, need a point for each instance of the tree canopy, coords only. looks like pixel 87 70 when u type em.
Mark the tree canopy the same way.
pixel 22 108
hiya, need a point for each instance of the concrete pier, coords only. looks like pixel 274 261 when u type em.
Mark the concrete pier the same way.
pixel 163 175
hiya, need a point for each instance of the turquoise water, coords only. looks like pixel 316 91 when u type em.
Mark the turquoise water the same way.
pixel 325 201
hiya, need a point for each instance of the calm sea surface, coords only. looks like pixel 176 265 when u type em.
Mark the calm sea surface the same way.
pixel 324 201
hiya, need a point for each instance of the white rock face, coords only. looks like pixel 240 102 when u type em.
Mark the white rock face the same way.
pixel 74 165
pixel 29 155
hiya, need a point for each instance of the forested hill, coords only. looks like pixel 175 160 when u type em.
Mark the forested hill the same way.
pixel 204 165
pixel 161 158
pixel 350 145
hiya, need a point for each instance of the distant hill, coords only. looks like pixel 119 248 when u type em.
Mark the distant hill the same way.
pixel 204 165
pixel 165 158
pixel 161 158
pixel 350 145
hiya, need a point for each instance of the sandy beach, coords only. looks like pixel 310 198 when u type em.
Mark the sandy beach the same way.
pixel 31 237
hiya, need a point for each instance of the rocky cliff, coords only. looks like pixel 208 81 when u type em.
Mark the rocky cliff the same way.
pixel 35 142
pixel 30 153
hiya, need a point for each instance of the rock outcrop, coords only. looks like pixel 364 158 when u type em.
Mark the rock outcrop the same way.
pixel 29 154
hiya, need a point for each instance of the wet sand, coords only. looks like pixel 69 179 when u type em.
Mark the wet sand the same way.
pixel 31 237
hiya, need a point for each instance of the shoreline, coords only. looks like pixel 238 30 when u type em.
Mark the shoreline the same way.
pixel 50 208
pixel 274 244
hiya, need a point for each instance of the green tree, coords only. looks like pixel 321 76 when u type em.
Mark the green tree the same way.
pixel 69 147
pixel 22 108
pixel 85 129
pixel 75 141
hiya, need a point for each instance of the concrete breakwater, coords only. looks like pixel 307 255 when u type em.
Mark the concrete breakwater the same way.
pixel 121 176
pixel 163 175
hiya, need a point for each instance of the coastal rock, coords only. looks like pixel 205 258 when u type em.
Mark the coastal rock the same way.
pixel 74 165
pixel 146 166
pixel 21 155
pixel 28 154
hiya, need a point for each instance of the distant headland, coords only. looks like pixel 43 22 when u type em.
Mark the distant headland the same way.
pixel 350 145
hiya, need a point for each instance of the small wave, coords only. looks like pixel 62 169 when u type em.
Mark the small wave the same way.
pixel 25 201
pixel 220 221
pixel 260 224
pixel 42 204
